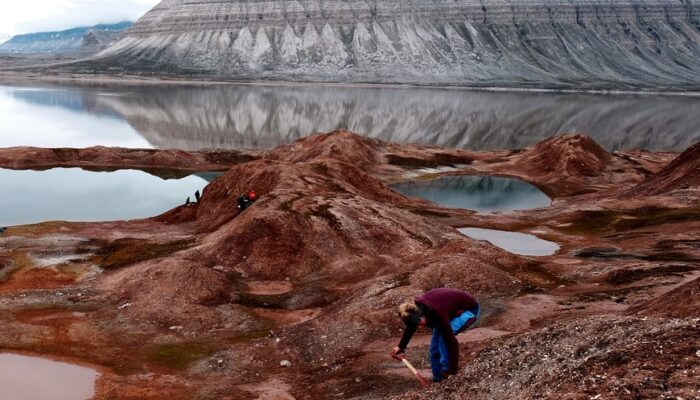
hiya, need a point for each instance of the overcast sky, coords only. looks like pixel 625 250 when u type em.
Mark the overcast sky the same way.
pixel 24 16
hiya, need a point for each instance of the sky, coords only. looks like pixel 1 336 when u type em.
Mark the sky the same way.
pixel 26 16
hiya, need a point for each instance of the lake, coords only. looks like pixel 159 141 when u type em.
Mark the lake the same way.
pixel 514 242
pixel 266 116
pixel 34 378
pixel 478 193
pixel 72 194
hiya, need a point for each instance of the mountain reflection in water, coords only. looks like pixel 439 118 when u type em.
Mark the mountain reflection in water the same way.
pixel 265 116
pixel 478 193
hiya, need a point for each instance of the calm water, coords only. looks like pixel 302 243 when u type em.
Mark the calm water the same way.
pixel 33 378
pixel 73 194
pixel 514 242
pixel 479 193
pixel 245 116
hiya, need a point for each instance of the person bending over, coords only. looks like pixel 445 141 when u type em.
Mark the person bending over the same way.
pixel 448 312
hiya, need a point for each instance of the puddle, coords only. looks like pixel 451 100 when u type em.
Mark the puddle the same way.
pixel 514 242
pixel 20 377
pixel 478 193
pixel 73 194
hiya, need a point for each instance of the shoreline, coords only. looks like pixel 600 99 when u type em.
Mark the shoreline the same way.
pixel 96 80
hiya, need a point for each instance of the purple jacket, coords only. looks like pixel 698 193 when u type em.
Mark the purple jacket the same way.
pixel 440 306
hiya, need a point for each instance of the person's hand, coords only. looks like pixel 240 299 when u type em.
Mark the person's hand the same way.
pixel 396 351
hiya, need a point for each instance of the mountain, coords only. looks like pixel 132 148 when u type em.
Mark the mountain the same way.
pixel 4 37
pixel 93 38
pixel 574 44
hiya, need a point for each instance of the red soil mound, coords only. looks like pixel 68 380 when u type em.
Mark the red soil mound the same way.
pixel 172 288
pixel 681 173
pixel 572 155
pixel 272 179
pixel 562 165
pixel 326 226
pixel 682 302
pixel 339 145
pixel 316 217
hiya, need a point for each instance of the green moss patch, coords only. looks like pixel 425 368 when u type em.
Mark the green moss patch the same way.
pixel 178 355
pixel 123 252
pixel 610 221
pixel 630 275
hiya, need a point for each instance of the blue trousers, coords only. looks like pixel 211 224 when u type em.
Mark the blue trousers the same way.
pixel 439 356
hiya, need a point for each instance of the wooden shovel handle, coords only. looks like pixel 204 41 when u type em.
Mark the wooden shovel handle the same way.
pixel 403 359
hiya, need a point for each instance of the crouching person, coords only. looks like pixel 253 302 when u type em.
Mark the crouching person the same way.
pixel 448 312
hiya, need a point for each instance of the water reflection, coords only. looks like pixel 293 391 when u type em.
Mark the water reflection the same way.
pixel 514 242
pixel 247 116
pixel 479 193
pixel 60 118
pixel 77 195
pixel 34 378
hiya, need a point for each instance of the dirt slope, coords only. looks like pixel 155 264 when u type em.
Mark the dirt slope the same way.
pixel 682 173
pixel 602 357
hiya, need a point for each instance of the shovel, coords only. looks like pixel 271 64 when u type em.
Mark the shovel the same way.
pixel 400 357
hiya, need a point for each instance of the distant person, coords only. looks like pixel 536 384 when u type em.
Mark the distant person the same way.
pixel 448 312
pixel 246 200
pixel 243 202
pixel 187 202
pixel 197 196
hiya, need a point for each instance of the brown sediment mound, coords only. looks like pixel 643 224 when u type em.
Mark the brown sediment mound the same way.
pixel 682 173
pixel 324 225
pixel 105 157
pixel 562 166
pixel 324 217
pixel 568 155
pixel 273 180
pixel 600 357
pixel 172 288
pixel 682 302
pixel 340 145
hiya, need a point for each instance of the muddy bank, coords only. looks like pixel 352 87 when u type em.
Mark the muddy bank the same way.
pixel 296 296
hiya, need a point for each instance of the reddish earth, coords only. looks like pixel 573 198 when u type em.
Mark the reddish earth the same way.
pixel 203 303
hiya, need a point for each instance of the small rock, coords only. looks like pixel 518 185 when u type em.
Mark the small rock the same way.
pixel 123 306
pixel 286 364
pixel 358 380
pixel 278 340
pixel 697 353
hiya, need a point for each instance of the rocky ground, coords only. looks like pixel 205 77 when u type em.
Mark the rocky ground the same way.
pixel 296 297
